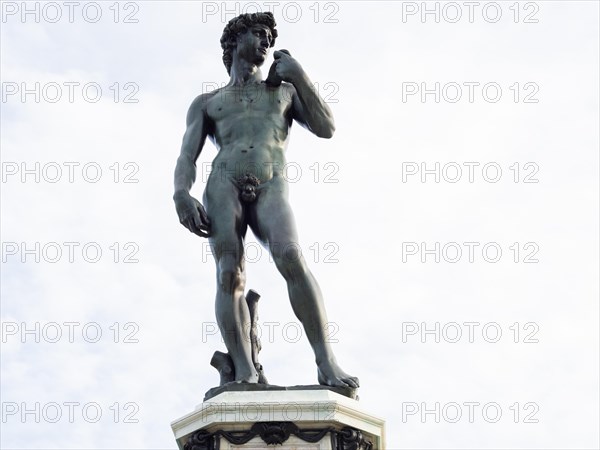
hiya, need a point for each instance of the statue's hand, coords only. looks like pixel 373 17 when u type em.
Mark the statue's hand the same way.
pixel 287 67
pixel 192 214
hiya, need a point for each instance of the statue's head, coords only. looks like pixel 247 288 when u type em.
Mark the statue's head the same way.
pixel 240 25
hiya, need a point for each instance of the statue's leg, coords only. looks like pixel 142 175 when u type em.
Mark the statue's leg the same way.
pixel 273 222
pixel 227 245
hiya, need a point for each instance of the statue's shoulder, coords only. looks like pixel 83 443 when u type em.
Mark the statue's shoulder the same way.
pixel 199 106
pixel 288 87
pixel 289 90
pixel 201 101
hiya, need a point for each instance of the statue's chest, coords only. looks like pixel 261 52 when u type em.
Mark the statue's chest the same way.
pixel 254 98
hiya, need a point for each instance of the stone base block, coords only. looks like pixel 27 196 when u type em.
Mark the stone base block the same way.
pixel 294 420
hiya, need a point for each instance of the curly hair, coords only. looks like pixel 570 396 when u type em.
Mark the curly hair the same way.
pixel 239 25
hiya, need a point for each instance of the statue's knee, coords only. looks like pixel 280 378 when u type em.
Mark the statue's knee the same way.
pixel 290 253
pixel 231 279
pixel 292 266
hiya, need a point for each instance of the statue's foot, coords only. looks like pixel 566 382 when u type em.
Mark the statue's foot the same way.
pixel 330 374
pixel 250 377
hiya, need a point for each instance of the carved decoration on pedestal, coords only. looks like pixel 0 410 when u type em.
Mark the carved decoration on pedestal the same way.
pixel 276 433
pixel 351 439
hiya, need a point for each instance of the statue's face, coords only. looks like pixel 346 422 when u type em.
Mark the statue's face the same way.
pixel 253 45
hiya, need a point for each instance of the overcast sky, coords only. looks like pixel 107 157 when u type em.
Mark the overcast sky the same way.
pixel 452 221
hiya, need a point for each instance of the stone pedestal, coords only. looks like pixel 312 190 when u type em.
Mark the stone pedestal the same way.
pixel 292 420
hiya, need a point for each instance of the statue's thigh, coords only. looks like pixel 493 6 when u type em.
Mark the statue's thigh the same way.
pixel 274 221
pixel 227 221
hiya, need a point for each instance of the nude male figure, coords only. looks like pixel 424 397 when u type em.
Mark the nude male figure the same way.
pixel 249 122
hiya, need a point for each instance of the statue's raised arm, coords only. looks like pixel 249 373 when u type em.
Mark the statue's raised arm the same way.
pixel 308 108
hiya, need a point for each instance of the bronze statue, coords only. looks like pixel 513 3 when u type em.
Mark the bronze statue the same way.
pixel 249 122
